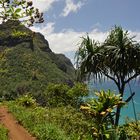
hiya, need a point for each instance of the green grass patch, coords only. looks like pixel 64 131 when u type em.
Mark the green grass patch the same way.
pixel 3 133
pixel 62 123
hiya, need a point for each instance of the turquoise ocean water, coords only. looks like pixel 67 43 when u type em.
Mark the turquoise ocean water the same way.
pixel 127 110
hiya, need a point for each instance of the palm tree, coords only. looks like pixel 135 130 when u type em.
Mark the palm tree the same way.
pixel 118 59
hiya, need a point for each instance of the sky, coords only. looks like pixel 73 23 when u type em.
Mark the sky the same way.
pixel 66 21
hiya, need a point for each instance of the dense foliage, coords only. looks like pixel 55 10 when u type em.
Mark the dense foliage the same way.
pixel 20 10
pixel 3 133
pixel 62 94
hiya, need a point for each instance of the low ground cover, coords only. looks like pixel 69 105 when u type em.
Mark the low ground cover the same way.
pixel 3 133
pixel 61 123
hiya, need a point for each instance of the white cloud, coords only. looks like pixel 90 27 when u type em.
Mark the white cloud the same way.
pixel 43 5
pixel 45 30
pixel 136 35
pixel 68 39
pixel 71 7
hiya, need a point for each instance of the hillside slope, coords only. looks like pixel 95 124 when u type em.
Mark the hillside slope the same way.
pixel 27 64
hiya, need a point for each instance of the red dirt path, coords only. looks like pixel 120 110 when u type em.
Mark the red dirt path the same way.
pixel 16 131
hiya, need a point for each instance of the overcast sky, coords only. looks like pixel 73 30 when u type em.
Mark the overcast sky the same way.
pixel 67 20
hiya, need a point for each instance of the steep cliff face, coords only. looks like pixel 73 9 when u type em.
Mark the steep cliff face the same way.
pixel 27 64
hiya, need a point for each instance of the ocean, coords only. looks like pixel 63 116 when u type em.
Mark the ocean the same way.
pixel 127 110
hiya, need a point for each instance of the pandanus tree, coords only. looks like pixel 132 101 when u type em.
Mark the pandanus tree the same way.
pixel 117 59
pixel 21 10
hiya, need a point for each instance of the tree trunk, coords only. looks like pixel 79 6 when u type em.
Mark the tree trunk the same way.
pixel 118 111
pixel 117 115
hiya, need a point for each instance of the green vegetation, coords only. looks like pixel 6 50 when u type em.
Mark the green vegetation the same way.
pixel 61 123
pixel 132 129
pixel 117 59
pixel 3 133
pixel 19 34
pixel 19 10
pixel 94 120
pixel 28 64
pixel 26 101
pixel 101 109
pixel 43 96
pixel 62 95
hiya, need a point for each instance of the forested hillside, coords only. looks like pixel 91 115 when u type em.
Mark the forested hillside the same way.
pixel 27 63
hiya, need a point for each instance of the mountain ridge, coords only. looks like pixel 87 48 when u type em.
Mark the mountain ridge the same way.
pixel 27 64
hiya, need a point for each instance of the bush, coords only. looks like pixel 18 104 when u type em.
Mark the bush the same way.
pixel 77 92
pixel 69 119
pixel 56 95
pixel 62 95
pixel 27 101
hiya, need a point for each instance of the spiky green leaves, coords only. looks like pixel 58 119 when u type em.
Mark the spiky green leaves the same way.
pixel 116 58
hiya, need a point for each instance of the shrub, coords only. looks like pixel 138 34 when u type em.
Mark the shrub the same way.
pixel 77 92
pixel 27 101
pixel 61 94
pixel 72 121
pixel 56 95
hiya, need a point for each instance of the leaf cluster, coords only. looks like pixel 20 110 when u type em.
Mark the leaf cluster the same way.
pixel 20 10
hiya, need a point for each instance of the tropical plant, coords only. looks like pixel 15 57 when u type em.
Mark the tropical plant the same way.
pixel 102 111
pixel 116 59
pixel 20 10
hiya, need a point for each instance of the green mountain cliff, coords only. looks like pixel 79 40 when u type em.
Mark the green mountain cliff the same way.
pixel 27 64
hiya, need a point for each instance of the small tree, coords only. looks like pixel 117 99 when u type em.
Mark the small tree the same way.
pixel 20 10
pixel 117 59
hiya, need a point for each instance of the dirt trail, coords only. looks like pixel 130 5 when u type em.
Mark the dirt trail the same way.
pixel 16 131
